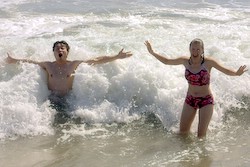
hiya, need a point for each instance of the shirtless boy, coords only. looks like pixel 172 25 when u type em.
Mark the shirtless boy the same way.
pixel 60 72
pixel 60 75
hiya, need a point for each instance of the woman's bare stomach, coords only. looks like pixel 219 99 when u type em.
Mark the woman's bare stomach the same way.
pixel 199 91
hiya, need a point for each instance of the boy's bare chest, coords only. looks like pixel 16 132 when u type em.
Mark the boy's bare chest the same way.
pixel 60 72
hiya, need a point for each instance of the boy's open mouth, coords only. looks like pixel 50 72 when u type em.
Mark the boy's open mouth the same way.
pixel 60 55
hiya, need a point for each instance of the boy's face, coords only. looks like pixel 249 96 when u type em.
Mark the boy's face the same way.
pixel 60 52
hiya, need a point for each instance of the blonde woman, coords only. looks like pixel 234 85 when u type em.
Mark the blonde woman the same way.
pixel 199 95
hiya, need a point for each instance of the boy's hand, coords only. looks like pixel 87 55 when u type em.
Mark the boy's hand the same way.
pixel 10 59
pixel 122 55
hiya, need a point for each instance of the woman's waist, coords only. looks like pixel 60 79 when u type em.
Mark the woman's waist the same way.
pixel 199 91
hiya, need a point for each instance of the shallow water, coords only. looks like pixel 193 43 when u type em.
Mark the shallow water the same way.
pixel 127 112
pixel 136 144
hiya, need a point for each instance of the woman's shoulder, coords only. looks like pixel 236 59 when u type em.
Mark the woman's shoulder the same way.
pixel 186 60
pixel 209 62
pixel 185 57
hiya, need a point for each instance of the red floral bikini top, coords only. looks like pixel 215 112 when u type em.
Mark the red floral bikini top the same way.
pixel 200 78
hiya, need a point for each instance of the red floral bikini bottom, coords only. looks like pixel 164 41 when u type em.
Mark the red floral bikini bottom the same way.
pixel 199 102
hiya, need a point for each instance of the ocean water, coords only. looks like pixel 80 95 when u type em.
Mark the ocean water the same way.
pixel 128 110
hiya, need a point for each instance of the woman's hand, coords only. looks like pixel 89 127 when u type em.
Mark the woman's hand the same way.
pixel 241 70
pixel 149 47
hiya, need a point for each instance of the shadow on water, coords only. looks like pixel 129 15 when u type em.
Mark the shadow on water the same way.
pixel 151 118
pixel 63 108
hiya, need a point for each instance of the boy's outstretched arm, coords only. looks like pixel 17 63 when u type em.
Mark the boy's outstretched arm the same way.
pixel 106 59
pixel 11 60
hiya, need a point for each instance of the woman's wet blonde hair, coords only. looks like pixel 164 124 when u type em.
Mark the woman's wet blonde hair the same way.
pixel 198 41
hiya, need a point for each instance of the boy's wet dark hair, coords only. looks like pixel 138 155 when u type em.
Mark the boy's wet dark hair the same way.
pixel 61 42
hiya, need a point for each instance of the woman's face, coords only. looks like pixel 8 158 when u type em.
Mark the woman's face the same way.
pixel 196 49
